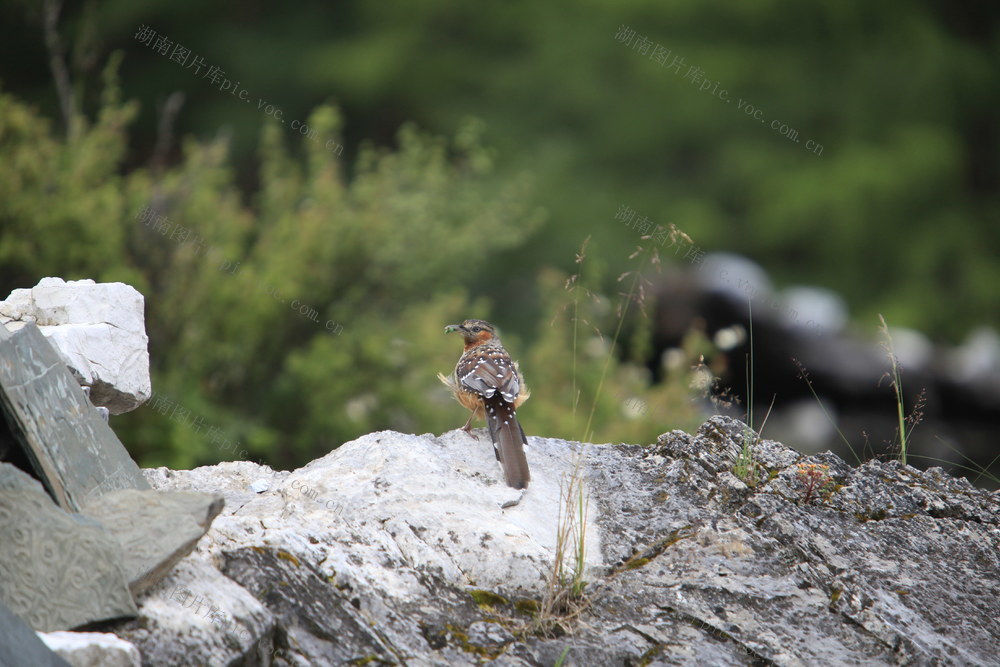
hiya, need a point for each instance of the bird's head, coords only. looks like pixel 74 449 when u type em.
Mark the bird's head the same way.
pixel 475 332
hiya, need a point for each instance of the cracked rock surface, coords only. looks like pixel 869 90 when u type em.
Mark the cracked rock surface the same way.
pixel 407 549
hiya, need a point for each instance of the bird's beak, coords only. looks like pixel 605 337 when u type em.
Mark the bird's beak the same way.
pixel 452 327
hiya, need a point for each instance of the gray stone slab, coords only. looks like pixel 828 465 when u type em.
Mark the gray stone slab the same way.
pixel 58 571
pixel 20 646
pixel 155 528
pixel 72 450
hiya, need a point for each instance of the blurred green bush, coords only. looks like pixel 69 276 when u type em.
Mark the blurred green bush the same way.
pixel 897 212
pixel 284 326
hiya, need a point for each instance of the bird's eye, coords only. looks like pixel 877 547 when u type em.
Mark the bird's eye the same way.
pixel 476 329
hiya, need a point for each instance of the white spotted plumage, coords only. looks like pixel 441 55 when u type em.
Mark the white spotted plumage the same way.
pixel 488 382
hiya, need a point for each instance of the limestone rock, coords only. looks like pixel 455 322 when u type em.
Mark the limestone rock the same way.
pixel 178 520
pixel 377 539
pixel 404 549
pixel 57 571
pixel 197 616
pixel 92 649
pixel 99 331
pixel 235 480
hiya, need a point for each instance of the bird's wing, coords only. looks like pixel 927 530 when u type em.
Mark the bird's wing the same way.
pixel 489 371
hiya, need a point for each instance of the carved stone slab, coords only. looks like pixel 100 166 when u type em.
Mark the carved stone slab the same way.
pixel 57 571
pixel 77 455
pixel 155 528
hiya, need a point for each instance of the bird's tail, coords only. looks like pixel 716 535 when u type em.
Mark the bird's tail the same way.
pixel 508 441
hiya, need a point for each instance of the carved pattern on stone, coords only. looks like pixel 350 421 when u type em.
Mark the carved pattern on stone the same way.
pixel 57 571
pixel 76 454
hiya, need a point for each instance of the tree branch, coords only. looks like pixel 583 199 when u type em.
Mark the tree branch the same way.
pixel 57 64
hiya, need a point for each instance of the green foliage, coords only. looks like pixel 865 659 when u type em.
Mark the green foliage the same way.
pixel 61 204
pixel 330 326
pixel 387 245
pixel 283 328
pixel 745 466
pixel 624 405
pixel 902 98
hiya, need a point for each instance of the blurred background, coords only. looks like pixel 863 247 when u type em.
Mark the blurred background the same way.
pixel 644 196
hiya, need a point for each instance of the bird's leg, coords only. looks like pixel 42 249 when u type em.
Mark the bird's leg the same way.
pixel 468 426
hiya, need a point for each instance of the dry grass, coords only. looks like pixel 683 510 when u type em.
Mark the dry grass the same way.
pixel 564 598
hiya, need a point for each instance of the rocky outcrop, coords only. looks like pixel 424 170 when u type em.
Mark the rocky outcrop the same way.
pixel 406 549
pixel 715 548
pixel 98 329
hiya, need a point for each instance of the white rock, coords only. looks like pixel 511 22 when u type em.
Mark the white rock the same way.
pixel 977 359
pixel 806 423
pixel 484 633
pixel 18 306
pixel 197 616
pixel 437 501
pixel 814 308
pixel 92 649
pixel 99 330
pixel 739 278
pixel 913 349
pixel 386 517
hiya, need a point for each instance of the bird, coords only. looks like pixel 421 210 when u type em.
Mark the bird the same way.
pixel 489 383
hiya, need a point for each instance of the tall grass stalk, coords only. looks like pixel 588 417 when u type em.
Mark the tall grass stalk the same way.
pixel 745 467
pixel 580 257
pixel 897 385
pixel 580 537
